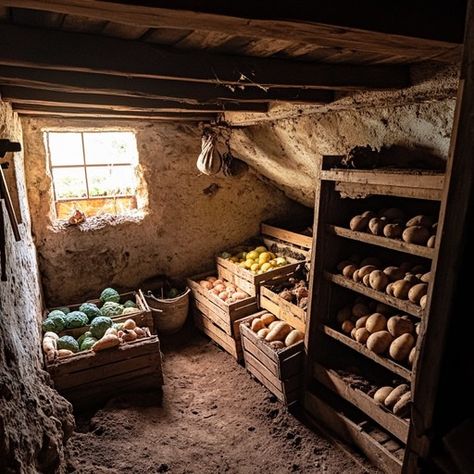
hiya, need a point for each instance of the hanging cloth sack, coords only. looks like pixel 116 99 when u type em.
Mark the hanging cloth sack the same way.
pixel 209 161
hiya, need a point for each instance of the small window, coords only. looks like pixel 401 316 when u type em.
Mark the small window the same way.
pixel 94 172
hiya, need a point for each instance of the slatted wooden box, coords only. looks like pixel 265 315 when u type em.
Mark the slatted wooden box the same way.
pixel 231 343
pixel 247 281
pixel 282 309
pixel 281 236
pixel 279 371
pixel 90 377
pixel 142 318
pixel 219 312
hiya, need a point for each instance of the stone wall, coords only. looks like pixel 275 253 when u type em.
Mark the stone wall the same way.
pixel 34 419
pixel 181 232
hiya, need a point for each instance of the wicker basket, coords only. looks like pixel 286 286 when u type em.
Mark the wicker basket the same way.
pixel 169 315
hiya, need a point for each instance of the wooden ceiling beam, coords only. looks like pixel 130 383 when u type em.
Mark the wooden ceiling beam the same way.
pixel 49 111
pixel 24 95
pixel 67 51
pixel 192 92
pixel 402 28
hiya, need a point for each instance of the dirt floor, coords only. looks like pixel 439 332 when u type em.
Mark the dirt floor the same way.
pixel 212 418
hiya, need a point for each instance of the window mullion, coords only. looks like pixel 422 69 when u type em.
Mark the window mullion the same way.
pixel 85 166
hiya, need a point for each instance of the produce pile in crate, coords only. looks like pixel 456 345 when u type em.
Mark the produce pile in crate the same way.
pixel 101 347
pixel 273 354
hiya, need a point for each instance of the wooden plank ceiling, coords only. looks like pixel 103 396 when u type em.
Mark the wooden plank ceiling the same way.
pixel 173 60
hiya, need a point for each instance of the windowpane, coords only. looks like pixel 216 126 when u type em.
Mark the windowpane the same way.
pixel 110 147
pixel 65 148
pixel 69 183
pixel 111 180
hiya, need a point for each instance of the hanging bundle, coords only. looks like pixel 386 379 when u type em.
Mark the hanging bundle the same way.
pixel 209 161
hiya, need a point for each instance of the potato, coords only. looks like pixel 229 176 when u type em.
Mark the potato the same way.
pixel 128 335
pixel 111 331
pixel 107 342
pixel 382 393
pixel 355 276
pixel 206 284
pixel 395 395
pixel 359 310
pixel 257 324
pixel 379 342
pixel 417 291
pixel 366 280
pixel 426 277
pixel 418 328
pixel 262 333
pixel 371 261
pixel 400 289
pixel 411 356
pixel 368 214
pixel 361 335
pixel 277 345
pixel 382 308
pixel 349 270
pixel 376 225
pixel 423 301
pixel 366 270
pixel 376 322
pixel 65 353
pixel 402 407
pixel 344 314
pixel 400 348
pixel 388 289
pixel 267 318
pixel 424 221
pixel 411 278
pixel 342 264
pixel 347 326
pixel 353 333
pixel 360 323
pixel 359 223
pixel 394 273
pixel 378 280
pixel 392 213
pixel 418 269
pixel 278 332
pixel 431 242
pixel 129 324
pixel 294 337
pixel 398 325
pixel 393 231
pixel 140 332
pixel 416 235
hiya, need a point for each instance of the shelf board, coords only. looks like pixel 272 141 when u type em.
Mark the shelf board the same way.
pixel 393 244
pixel 403 305
pixel 361 349
pixel 334 382
pixel 415 179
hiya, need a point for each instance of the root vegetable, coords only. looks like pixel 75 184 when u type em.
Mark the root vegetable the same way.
pixel 356 277
pixel 382 393
pixel 278 332
pixel 353 333
pixel 393 231
pixel 416 235
pixel 411 356
pixel 376 225
pixel 139 332
pixel 348 271
pixel 359 223
pixel 417 292
pixel 376 322
pixel 394 273
pixel 347 326
pixel 378 280
pixel 398 325
pixel 129 335
pixel 400 348
pixel 129 324
pixel 64 353
pixel 423 301
pixel 257 324
pixel 426 277
pixel 344 263
pixel 411 278
pixel 51 335
pixel 206 284
pixel 360 323
pixel 294 337
pixel 267 318
pixel 389 289
pixel 402 407
pixel 431 242
pixel 277 345
pixel 396 394
pixel 379 342
pixel 262 333
pixel 424 221
pixel 111 331
pixel 361 335
pixel 107 342
pixel 400 289
pixel 366 280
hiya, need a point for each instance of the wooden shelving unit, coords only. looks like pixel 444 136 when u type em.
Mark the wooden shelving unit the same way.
pixel 336 195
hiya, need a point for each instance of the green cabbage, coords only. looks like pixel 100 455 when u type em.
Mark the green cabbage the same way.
pixel 76 319
pixel 68 342
pixel 99 325
pixel 91 310
pixel 109 294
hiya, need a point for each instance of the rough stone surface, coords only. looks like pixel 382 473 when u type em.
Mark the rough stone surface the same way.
pixel 179 235
pixel 288 151
pixel 34 419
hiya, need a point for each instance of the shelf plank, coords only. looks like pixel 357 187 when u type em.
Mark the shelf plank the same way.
pixel 392 244
pixel 383 361
pixel 334 382
pixel 403 305
pixel 415 179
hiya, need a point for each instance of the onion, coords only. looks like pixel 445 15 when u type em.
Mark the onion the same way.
pixel 206 284
pixel 219 288
pixel 239 295
pixel 223 295
pixel 217 282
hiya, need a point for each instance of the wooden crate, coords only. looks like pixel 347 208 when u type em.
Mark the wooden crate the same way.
pixel 218 311
pixel 281 308
pixel 142 318
pixel 300 242
pixel 230 343
pixel 244 279
pixel 280 371
pixel 89 377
